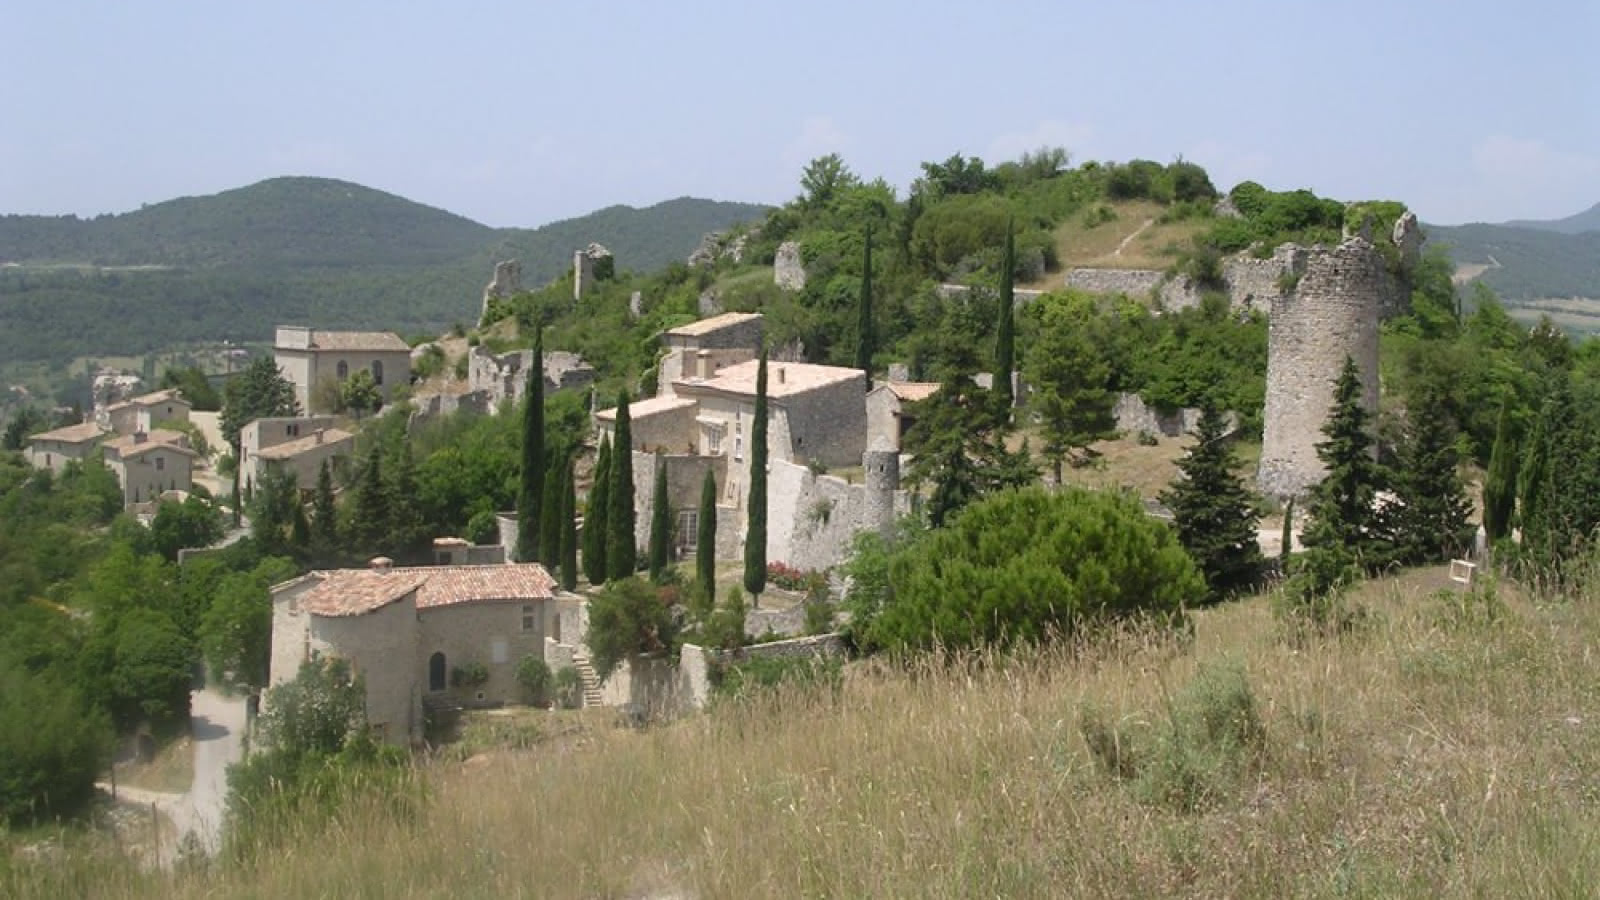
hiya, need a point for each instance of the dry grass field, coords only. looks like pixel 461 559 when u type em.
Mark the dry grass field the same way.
pixel 1134 239
pixel 1446 748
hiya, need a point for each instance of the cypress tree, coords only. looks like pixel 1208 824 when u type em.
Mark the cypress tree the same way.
pixel 1006 329
pixel 705 550
pixel 1341 512
pixel 622 547
pixel 1500 482
pixel 660 524
pixel 1535 466
pixel 550 514
pixel 324 521
pixel 1434 508
pixel 1286 539
pixel 569 528
pixel 594 516
pixel 755 541
pixel 1214 513
pixel 371 513
pixel 531 489
pixel 866 333
pixel 406 531
pixel 300 527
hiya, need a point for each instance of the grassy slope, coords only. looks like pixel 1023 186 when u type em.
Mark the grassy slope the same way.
pixel 1425 755
pixel 1153 246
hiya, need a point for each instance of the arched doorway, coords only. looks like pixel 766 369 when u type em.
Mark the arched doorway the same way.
pixel 436 680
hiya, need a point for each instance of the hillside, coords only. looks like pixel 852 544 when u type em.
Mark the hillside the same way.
pixel 1530 268
pixel 232 265
pixel 1588 220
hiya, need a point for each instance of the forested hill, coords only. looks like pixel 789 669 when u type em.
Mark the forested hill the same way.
pixel 1588 220
pixel 314 250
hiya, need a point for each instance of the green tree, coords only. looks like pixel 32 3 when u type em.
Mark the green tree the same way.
pixel 272 510
pixel 150 673
pixel 359 393
pixel 531 489
pixel 1500 482
pixel 1342 511
pixel 317 711
pixel 193 384
pixel 324 521
pixel 259 392
pixel 596 511
pixel 1070 373
pixel 1031 565
pixel 660 521
pixel 53 744
pixel 569 528
pixel 1434 510
pixel 705 548
pixel 755 541
pixel 1213 511
pixel 823 179
pixel 1005 347
pixel 236 631
pixel 958 445
pixel 192 523
pixel 550 513
pixel 866 333
pixel 369 509
pixel 627 618
pixel 405 532
pixel 622 541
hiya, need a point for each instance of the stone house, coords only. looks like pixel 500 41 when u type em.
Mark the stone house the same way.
pixel 54 449
pixel 308 357
pixel 887 421
pixel 148 464
pixel 260 434
pixel 143 413
pixel 420 636
pixel 699 349
pixel 303 457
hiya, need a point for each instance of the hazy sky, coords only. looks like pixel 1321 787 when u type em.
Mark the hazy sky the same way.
pixel 520 113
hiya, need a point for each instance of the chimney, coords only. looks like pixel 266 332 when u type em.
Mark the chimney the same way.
pixel 703 364
pixel 380 564
pixel 140 437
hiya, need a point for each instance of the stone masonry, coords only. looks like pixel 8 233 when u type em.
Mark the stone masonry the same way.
pixel 789 268
pixel 507 282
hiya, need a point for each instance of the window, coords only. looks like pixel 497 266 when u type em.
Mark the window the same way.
pixel 377 371
pixel 436 672
pixel 161 464
pixel 292 430
pixel 713 440
pixel 689 528
pixel 528 620
pixel 738 448
pixel 47 460
pixel 343 370
pixel 498 650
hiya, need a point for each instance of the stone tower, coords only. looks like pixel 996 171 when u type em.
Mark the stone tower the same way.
pixel 883 479
pixel 507 281
pixel 1331 313
pixel 591 264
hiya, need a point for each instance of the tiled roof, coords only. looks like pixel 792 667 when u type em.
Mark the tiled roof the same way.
pixel 129 449
pixel 291 449
pixel 72 434
pixel 155 436
pixel 353 592
pixel 715 323
pixel 358 340
pixel 646 408
pixel 912 391
pixel 784 379
pixel 168 395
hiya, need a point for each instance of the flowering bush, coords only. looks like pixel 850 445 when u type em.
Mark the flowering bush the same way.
pixel 789 578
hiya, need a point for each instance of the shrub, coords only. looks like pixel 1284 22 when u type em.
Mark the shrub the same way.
pixel 760 673
pixel 626 618
pixel 533 674
pixel 567 688
pixel 470 675
pixel 1099 215
pixel 52 745
pixel 790 578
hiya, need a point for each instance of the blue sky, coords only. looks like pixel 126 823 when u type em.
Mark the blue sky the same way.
pixel 520 113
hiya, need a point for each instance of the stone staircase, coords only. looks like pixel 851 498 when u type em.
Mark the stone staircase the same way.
pixel 589 679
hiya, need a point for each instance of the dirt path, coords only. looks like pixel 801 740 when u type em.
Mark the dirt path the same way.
pixel 1129 239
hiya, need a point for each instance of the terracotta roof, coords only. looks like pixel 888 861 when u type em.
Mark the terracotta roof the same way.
pixel 358 340
pixel 72 434
pixel 784 379
pixel 151 399
pixel 353 592
pixel 912 391
pixel 291 449
pixel 154 436
pixel 715 323
pixel 646 408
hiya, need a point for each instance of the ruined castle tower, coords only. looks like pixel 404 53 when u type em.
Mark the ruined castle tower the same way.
pixel 883 479
pixel 1332 312
pixel 507 281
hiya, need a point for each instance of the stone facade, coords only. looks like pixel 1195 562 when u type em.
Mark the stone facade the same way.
pixel 143 413
pixel 1135 417
pixel 506 283
pixel 586 265
pixel 789 267
pixel 260 434
pixel 54 449
pixel 887 421
pixel 1250 283
pixel 308 357
pixel 503 376
pixel 110 386
pixel 301 459
pixel 149 465
pixel 1130 282
pixel 1332 313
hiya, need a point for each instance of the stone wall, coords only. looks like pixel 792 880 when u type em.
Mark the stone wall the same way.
pixel 430 407
pixel 1332 313
pixel 1135 417
pixel 812 519
pixel 789 268
pixel 503 376
pixel 1131 282
pixel 507 281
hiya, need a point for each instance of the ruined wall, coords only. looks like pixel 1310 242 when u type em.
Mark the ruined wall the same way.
pixel 1250 283
pixel 1134 417
pixel 789 268
pixel 1132 282
pixel 503 376
pixel 812 519
pixel 1332 313
pixel 506 282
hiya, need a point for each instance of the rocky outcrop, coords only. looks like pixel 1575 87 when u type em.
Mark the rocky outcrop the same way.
pixel 788 268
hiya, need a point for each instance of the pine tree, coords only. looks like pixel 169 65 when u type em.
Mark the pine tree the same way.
pixel 530 492
pixel 370 507
pixel 407 531
pixel 1341 512
pixel 550 514
pixel 1070 372
pixel 755 541
pixel 569 528
pixel 300 527
pixel 1006 329
pixel 622 542
pixel 705 551
pixel 660 522
pixel 1215 514
pixel 324 522
pixel 1433 503
pixel 866 333
pixel 1500 483
pixel 958 445
pixel 595 513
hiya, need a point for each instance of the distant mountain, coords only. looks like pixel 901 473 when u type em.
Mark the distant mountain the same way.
pixel 314 250
pixel 1526 264
pixel 1588 220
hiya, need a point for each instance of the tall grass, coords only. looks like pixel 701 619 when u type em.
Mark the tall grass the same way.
pixel 1440 750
